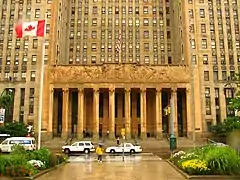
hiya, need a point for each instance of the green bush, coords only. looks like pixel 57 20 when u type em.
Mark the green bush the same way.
pixel 16 163
pixel 42 154
pixel 209 160
pixel 226 127
pixel 18 149
pixel 15 129
pixel 223 161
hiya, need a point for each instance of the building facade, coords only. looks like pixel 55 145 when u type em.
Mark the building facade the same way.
pixel 187 50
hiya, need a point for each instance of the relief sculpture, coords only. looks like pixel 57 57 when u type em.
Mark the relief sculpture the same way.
pixel 119 73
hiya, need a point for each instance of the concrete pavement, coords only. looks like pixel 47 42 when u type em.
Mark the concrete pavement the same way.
pixel 132 170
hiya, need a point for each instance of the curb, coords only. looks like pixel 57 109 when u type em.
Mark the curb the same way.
pixel 40 173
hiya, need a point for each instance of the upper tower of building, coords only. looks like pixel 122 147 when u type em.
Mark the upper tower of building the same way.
pixel 87 31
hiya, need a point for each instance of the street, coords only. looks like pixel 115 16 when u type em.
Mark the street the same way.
pixel 136 167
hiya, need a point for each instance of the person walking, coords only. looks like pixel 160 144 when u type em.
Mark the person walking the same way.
pixel 118 141
pixel 99 152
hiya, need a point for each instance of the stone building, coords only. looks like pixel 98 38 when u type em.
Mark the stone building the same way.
pixel 90 88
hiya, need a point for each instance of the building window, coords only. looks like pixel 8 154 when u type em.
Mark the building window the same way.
pixel 204 43
pixel 35 44
pixel 202 13
pixel 208 101
pixel 32 76
pixel 206 75
pixel 34 59
pixel 37 13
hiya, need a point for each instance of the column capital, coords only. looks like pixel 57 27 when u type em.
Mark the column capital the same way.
pixel 51 90
pixel 188 90
pixel 158 90
pixel 127 90
pixel 96 90
pixel 80 90
pixel 143 89
pixel 173 90
pixel 111 90
pixel 65 90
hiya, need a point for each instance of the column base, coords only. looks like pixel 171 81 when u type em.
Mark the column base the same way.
pixel 80 136
pixel 143 135
pixel 95 136
pixel 159 135
pixel 64 135
pixel 111 136
pixel 176 133
pixel 128 136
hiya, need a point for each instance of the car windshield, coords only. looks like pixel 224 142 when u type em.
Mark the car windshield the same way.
pixel 74 144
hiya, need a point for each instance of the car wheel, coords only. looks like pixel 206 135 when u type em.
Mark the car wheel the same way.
pixel 112 151
pixel 0 150
pixel 132 151
pixel 66 151
pixel 86 151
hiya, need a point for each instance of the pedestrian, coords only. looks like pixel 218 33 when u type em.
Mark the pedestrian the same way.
pixel 107 133
pixel 118 141
pixel 99 152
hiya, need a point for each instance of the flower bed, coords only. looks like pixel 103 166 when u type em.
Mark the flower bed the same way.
pixel 208 160
pixel 20 163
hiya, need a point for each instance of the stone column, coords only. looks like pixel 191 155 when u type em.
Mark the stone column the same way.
pixel 96 113
pixel 50 111
pixel 158 113
pixel 174 96
pixel 112 113
pixel 143 113
pixel 16 106
pixel 80 113
pixel 65 111
pixel 127 107
pixel 189 117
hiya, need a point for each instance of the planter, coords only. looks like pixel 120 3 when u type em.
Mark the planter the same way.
pixel 203 177
pixel 36 175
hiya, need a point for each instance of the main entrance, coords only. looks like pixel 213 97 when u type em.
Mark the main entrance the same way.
pixel 92 112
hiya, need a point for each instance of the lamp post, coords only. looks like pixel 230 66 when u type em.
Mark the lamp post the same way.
pixel 192 66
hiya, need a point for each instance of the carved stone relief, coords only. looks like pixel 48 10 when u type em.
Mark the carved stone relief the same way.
pixel 119 73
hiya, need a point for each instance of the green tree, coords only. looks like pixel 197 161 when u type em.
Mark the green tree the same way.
pixel 6 102
pixel 227 126
pixel 15 129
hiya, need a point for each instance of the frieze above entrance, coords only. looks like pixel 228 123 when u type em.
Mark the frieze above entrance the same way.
pixel 118 73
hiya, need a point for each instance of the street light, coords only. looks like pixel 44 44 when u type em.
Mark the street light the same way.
pixel 192 66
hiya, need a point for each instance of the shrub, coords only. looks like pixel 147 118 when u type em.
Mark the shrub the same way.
pixel 16 129
pixel 18 149
pixel 226 127
pixel 52 160
pixel 195 166
pixel 218 160
pixel 21 170
pixel 223 161
pixel 42 154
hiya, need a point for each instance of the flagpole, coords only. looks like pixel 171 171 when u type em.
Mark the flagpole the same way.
pixel 40 104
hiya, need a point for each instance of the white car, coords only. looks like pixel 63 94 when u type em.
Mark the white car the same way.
pixel 80 146
pixel 29 143
pixel 128 148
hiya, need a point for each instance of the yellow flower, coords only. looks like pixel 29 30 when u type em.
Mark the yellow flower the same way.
pixel 194 165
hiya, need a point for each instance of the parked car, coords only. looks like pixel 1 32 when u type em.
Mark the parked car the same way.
pixel 80 146
pixel 128 148
pixel 29 143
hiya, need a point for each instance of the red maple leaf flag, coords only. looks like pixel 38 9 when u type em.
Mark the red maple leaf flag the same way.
pixel 33 28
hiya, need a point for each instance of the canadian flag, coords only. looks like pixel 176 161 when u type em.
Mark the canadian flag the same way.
pixel 33 28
